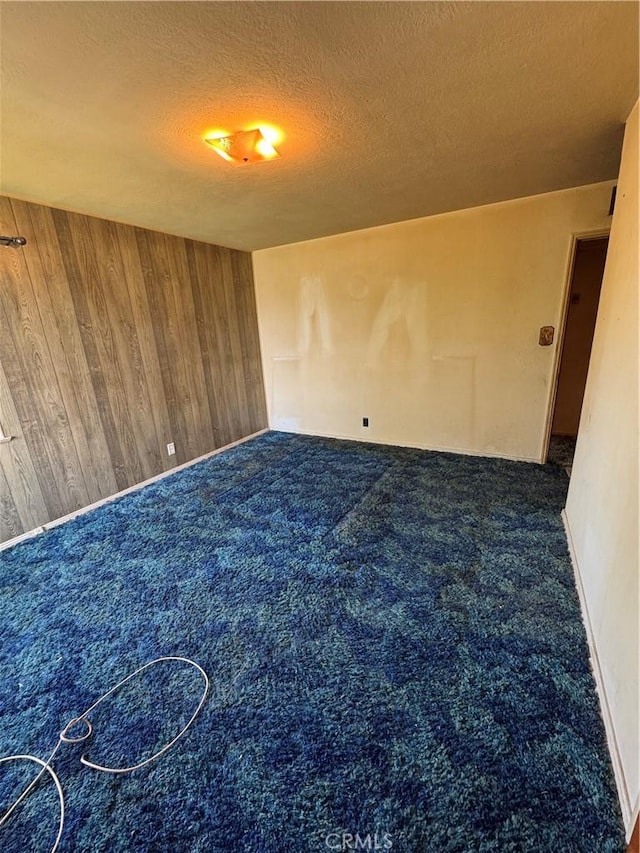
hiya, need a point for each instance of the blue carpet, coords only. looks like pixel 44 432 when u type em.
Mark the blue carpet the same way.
pixel 394 643
pixel 562 449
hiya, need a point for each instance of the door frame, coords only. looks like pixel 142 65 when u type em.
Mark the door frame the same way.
pixel 576 237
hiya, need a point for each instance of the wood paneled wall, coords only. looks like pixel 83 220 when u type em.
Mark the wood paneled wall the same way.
pixel 115 341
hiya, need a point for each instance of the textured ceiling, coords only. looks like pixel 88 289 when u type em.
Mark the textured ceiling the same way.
pixel 389 110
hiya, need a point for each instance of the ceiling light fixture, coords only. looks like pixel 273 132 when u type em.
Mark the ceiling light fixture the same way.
pixel 246 146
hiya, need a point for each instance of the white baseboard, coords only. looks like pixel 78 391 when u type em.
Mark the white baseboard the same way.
pixel 64 518
pixel 629 811
pixel 435 448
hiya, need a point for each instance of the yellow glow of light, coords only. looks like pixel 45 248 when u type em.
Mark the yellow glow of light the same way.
pixel 223 154
pixel 215 133
pixel 271 133
pixel 246 146
pixel 218 145
pixel 266 149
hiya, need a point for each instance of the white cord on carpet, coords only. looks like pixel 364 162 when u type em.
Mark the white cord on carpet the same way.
pixel 65 736
pixel 45 767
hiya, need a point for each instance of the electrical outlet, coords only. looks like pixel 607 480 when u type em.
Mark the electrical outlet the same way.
pixel 171 449
pixel 365 422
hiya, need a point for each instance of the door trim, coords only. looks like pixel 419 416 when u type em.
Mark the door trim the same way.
pixel 562 326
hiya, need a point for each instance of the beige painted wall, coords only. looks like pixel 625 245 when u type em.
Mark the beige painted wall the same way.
pixel 428 327
pixel 602 505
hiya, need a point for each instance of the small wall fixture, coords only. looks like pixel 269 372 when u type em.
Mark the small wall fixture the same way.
pixel 246 146
pixel 14 242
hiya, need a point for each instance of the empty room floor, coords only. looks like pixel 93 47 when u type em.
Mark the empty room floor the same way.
pixel 394 645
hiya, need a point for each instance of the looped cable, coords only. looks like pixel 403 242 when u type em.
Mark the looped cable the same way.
pixel 87 763
pixel 45 767
pixel 67 736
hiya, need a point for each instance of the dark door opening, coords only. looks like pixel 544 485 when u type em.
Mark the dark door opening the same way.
pixel 581 313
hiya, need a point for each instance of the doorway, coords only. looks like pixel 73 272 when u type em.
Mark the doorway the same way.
pixel 580 322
